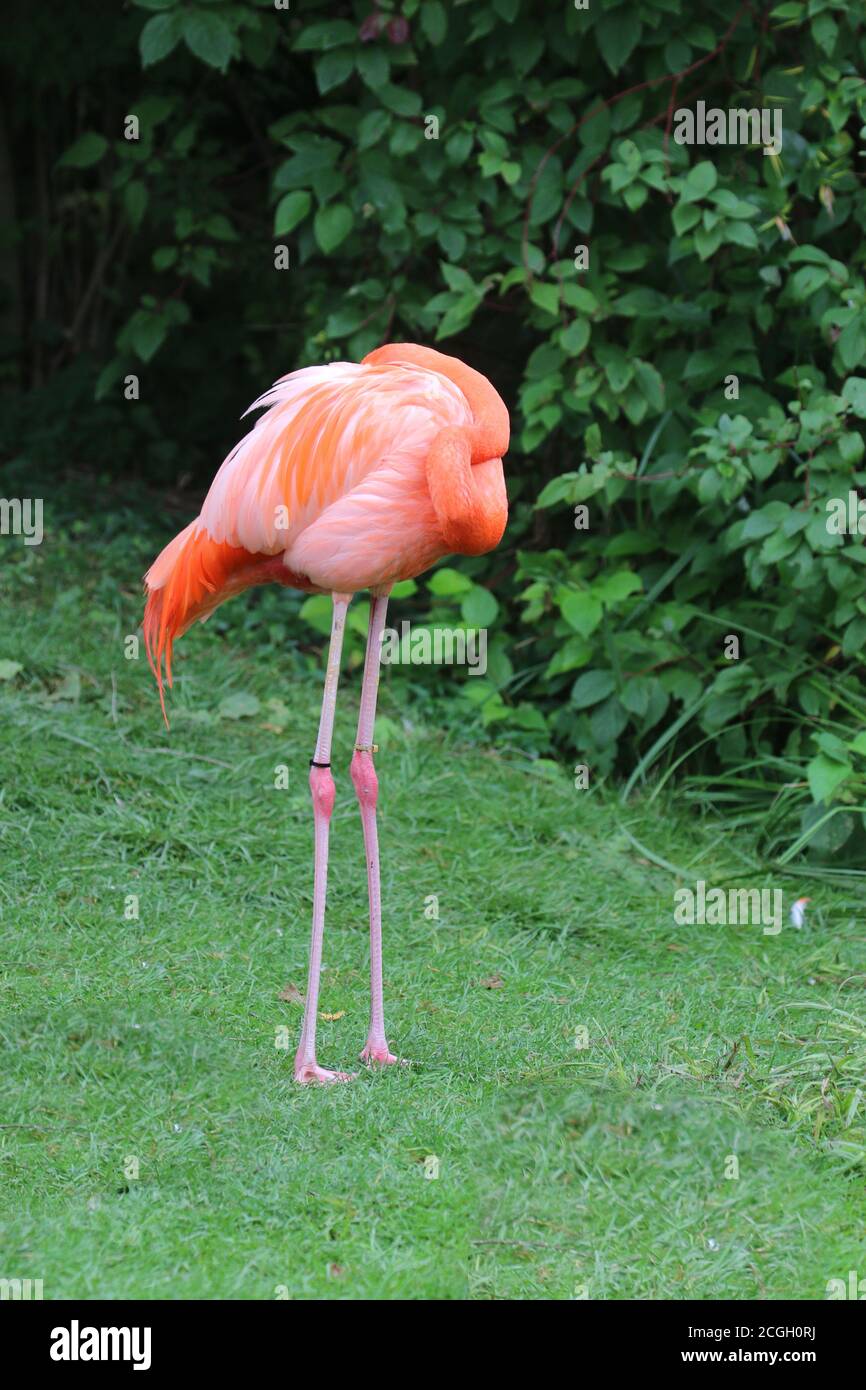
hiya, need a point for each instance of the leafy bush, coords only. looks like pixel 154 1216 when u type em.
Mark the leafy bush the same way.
pixel 680 331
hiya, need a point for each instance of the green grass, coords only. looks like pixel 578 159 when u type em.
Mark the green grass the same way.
pixel 563 1171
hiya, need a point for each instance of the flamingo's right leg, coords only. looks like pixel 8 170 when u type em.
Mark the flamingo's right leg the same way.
pixel 376 1050
pixel 322 789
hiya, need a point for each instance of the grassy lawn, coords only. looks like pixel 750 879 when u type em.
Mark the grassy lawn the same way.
pixel 150 1045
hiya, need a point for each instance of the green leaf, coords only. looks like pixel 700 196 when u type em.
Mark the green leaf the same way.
pixel 582 611
pixel 87 150
pixel 617 35
pixel 373 66
pixel 452 241
pixel 557 490
pixel 763 521
pixel 651 384
pixel 401 100
pixel 741 234
pixel 642 302
pixel 299 171
pixel 825 775
pixel 316 610
pixel 404 588
pixel 135 202
pixel 700 180
pixel 826 833
pixel 291 209
pixel 852 343
pixel 241 705
pixel 434 21
pixel 618 369
pixel 220 228
pixel 635 696
pixel 854 393
pixel 825 32
pixel 207 35
pixel 158 37
pixel 373 126
pixel 332 33
pixel 445 582
pixel 592 687
pixel 456 278
pixel 574 652
pixel 111 373
pixel 684 217
pixel 707 243
pixel 613 588
pixel 575 337
pixel 459 314
pixel 804 282
pixel 333 68
pixel 147 333
pixel 635 196
pixel 331 225
pixel 479 607
pixel 607 722
pixel 164 257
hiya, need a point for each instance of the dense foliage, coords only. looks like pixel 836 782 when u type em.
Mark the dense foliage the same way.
pixel 693 378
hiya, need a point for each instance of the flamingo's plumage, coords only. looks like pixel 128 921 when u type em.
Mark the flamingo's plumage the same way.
pixel 358 475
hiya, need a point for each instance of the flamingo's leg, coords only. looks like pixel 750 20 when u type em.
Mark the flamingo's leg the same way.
pixel 367 787
pixel 322 790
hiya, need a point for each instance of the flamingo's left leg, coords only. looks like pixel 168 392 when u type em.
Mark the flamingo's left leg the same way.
pixel 307 1068
pixel 367 788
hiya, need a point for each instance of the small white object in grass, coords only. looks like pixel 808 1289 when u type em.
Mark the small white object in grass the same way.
pixel 798 912
pixel 712 1244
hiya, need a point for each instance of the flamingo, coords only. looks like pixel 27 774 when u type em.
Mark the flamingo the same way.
pixel 358 475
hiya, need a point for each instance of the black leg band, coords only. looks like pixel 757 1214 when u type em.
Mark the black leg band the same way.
pixel 313 763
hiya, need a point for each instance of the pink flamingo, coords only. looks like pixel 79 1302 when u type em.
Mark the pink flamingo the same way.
pixel 358 476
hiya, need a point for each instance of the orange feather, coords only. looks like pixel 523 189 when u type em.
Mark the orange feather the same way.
pixel 357 476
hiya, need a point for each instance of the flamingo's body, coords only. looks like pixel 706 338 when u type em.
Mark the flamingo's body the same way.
pixel 359 475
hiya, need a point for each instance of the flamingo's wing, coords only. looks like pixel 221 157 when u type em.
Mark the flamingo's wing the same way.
pixel 325 430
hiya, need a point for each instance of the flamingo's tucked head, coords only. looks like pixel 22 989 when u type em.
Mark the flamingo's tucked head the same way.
pixel 492 425
pixel 464 466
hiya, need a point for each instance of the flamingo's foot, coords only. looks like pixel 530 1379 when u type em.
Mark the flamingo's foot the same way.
pixel 310 1074
pixel 377 1055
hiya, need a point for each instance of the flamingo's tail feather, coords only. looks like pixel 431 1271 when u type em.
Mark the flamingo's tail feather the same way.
pixel 186 582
